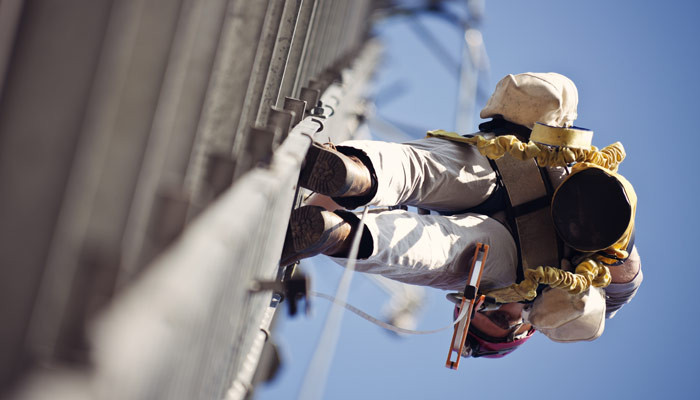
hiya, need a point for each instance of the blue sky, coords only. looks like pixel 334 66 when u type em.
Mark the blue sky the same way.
pixel 635 65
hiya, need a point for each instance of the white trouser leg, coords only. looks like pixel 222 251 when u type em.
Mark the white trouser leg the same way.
pixel 430 173
pixel 436 251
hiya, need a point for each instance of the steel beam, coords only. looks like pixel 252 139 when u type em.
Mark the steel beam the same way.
pixel 299 43
pixel 278 63
pixel 226 93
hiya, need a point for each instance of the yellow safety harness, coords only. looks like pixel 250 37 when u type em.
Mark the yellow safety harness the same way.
pixel 546 155
pixel 558 147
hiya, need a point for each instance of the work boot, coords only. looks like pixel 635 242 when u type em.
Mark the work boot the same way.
pixel 312 230
pixel 330 172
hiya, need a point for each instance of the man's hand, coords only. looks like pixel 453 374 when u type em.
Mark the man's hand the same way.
pixel 628 269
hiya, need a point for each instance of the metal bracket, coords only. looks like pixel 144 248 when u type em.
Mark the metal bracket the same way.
pixel 281 122
pixel 292 289
pixel 259 145
pixel 319 111
pixel 310 96
pixel 297 107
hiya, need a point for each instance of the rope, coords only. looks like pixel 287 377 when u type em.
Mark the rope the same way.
pixel 381 323
pixel 317 373
pixel 588 273
pixel 609 157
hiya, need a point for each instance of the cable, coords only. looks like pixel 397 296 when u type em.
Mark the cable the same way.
pixel 383 324
pixel 317 373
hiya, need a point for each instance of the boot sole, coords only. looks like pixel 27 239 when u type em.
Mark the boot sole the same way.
pixel 307 225
pixel 307 232
pixel 326 173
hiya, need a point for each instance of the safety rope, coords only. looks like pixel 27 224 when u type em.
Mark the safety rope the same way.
pixel 609 157
pixel 383 324
pixel 317 373
pixel 588 273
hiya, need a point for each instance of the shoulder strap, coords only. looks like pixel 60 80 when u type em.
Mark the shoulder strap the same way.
pixel 530 211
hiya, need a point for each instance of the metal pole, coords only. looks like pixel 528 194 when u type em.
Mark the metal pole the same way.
pixel 223 106
pixel 278 63
pixel 330 24
pixel 315 49
pixel 169 124
pixel 244 380
pixel 302 75
pixel 263 58
pixel 299 43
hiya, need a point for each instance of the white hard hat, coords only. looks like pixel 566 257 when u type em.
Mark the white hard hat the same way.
pixel 524 99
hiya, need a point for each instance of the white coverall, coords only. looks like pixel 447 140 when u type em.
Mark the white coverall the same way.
pixel 433 250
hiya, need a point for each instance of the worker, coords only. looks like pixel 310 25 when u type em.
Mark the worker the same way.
pixel 496 333
pixel 552 213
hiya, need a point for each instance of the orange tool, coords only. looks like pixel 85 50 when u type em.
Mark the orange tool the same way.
pixel 468 299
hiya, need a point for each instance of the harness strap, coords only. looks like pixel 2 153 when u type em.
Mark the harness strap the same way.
pixel 588 273
pixel 530 210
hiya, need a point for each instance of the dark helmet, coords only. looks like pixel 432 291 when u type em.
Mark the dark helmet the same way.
pixel 593 209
